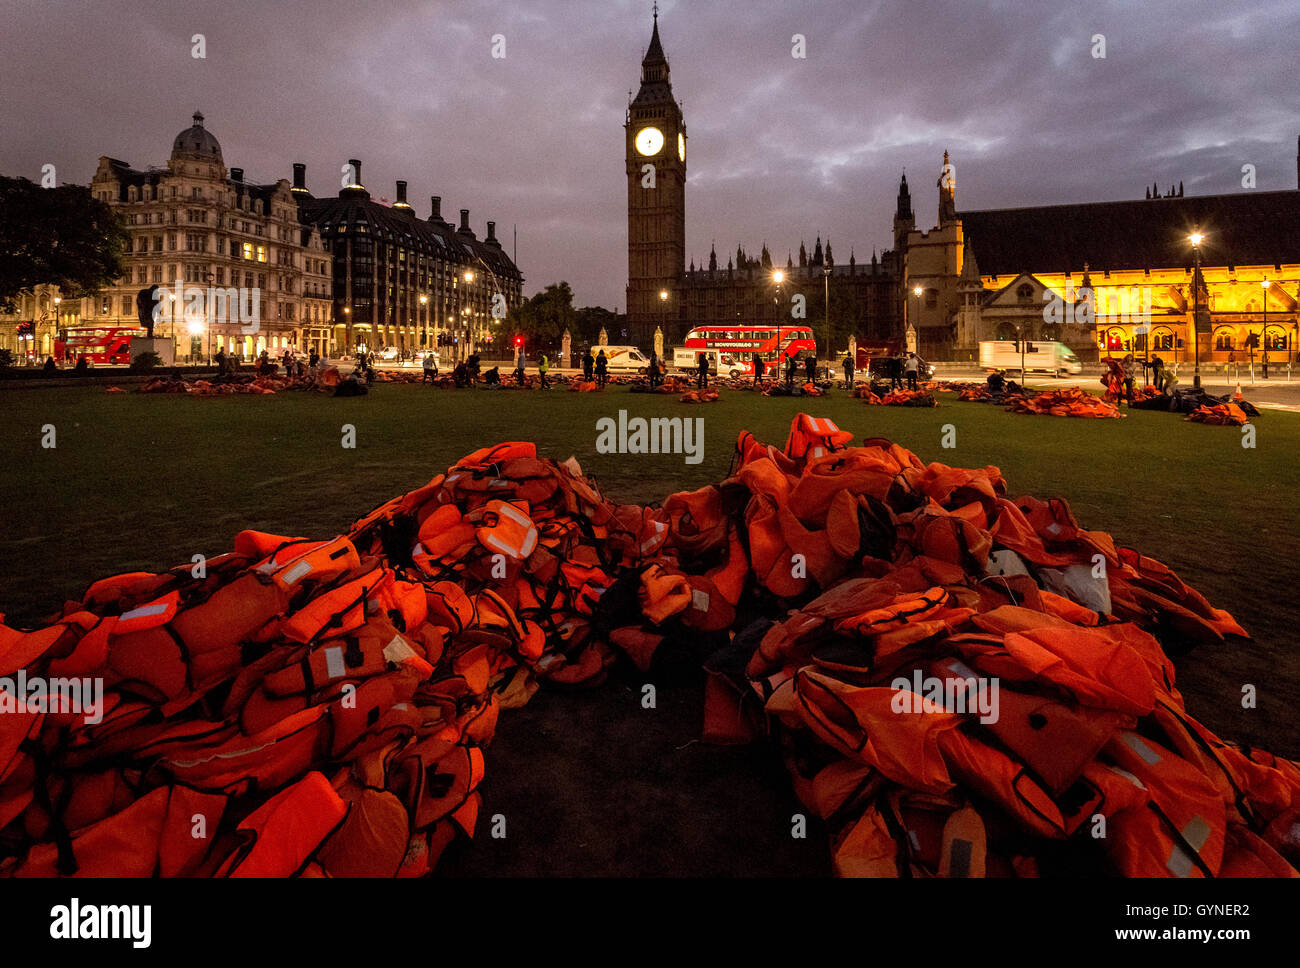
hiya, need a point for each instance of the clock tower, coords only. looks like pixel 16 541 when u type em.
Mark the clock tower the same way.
pixel 655 149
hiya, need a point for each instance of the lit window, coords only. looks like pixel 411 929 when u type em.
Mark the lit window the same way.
pixel 248 250
pixel 261 253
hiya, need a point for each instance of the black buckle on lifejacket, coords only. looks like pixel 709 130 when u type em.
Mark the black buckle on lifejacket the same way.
pixel 352 655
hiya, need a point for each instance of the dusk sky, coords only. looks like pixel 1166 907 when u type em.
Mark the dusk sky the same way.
pixel 780 149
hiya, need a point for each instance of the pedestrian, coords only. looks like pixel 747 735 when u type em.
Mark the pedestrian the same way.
pixel 895 373
pixel 654 370
pixel 221 362
pixel 588 366
pixel 1158 373
pixel 601 368
pixel 430 370
pixel 758 369
pixel 543 364
pixel 1130 371
pixel 520 362
pixel 848 372
pixel 789 374
pixel 810 368
pixel 702 372
pixel 910 368
pixel 287 359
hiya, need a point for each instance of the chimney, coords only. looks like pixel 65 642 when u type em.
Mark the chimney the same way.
pixel 435 208
pixel 492 232
pixel 299 176
pixel 356 170
pixel 237 174
pixel 401 194
pixel 464 221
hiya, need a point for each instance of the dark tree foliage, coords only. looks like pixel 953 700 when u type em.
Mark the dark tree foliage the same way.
pixel 56 236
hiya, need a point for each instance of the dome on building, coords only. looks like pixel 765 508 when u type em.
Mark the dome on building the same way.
pixel 197 140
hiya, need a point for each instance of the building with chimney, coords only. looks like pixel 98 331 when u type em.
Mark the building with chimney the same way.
pixel 198 221
pixel 404 281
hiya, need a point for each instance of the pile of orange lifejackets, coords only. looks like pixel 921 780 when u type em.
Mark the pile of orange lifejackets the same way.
pixel 322 707
pixel 398 376
pixel 1067 402
pixel 909 398
pixel 699 396
pixel 584 386
pixel 1220 415
pixel 204 388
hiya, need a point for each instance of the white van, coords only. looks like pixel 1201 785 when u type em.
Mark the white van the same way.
pixel 687 360
pixel 623 359
pixel 1041 356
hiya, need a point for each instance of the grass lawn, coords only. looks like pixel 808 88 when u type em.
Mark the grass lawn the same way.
pixel 142 482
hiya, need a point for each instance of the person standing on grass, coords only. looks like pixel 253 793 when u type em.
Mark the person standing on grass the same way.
pixel 702 372
pixel 1130 371
pixel 601 368
pixel 520 365
pixel 848 372
pixel 588 366
pixel 1158 373
pixel 220 359
pixel 810 368
pixel 654 369
pixel 910 368
pixel 789 374
pixel 758 369
pixel 543 364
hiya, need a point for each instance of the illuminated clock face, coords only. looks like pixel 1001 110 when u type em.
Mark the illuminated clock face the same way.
pixel 681 146
pixel 649 141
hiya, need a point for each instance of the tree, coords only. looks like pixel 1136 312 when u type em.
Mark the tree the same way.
pixel 592 319
pixel 56 236
pixel 543 318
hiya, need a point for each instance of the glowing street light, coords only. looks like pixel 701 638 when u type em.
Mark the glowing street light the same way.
pixel 1265 286
pixel 1196 238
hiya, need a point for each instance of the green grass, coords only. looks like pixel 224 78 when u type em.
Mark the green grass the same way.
pixel 141 482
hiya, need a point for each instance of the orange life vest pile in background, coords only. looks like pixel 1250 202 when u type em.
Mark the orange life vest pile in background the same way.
pixel 321 708
pixel 699 396
pixel 1067 402
pixel 1221 415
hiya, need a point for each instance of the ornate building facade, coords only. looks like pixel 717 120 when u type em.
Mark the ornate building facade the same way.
pixel 1107 277
pixel 199 222
pixel 403 281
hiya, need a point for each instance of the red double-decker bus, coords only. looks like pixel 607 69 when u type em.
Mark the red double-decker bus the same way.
pixel 737 344
pixel 101 345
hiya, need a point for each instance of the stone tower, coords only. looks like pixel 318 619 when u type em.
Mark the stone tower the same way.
pixel 655 150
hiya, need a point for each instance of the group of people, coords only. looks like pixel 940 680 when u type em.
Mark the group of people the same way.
pixel 1160 377
pixel 597 368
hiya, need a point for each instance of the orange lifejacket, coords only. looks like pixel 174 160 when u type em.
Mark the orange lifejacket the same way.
pixel 213 630
pixel 281 835
pixel 814 437
pixel 507 530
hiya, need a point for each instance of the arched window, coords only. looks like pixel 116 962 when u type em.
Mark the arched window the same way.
pixel 1025 293
pixel 1163 338
pixel 131 194
pixel 1005 331
pixel 1275 338
pixel 1224 339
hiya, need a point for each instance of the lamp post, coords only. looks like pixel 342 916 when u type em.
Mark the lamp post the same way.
pixel 1265 285
pixel 663 309
pixel 826 279
pixel 55 336
pixel 467 278
pixel 424 322
pixel 1195 238
pixel 913 335
pixel 778 277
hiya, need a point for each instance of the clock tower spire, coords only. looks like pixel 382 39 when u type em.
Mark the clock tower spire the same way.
pixel 655 161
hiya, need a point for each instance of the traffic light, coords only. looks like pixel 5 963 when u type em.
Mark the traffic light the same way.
pixel 1252 340
pixel 519 341
pixel 26 329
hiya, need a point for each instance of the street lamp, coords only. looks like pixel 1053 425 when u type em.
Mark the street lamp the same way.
pixel 424 322
pixel 1265 285
pixel 1195 238
pixel 468 277
pixel 663 309
pixel 826 277
pixel 778 277
pixel 58 300
pixel 913 332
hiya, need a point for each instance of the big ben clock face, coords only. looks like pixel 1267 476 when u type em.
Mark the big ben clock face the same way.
pixel 681 147
pixel 649 141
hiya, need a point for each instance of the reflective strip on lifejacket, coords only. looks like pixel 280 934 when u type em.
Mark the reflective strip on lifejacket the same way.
pixel 144 611
pixel 527 541
pixel 700 599
pixel 1196 833
pixel 334 664
pixel 155 613
pixel 1134 742
pixel 655 539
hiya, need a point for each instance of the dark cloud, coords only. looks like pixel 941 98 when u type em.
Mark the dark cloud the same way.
pixel 780 149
